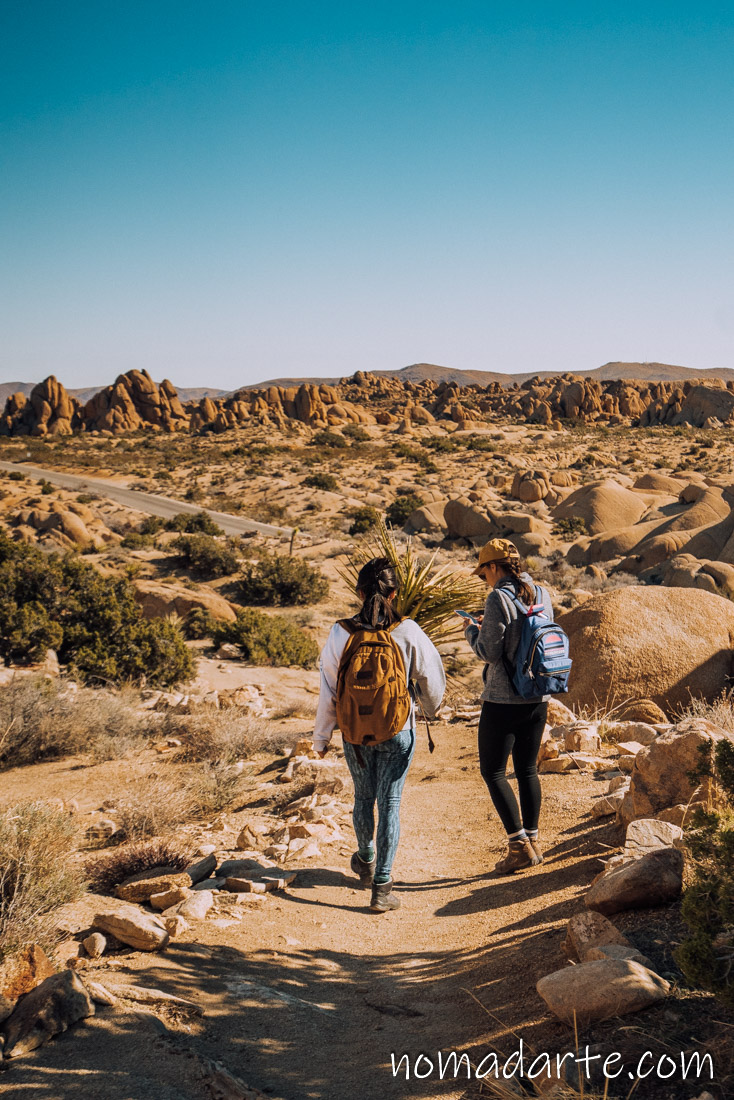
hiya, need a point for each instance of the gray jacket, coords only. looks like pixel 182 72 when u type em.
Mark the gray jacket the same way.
pixel 490 641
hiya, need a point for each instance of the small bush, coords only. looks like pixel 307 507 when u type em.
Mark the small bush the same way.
pixel 328 439
pixel 197 523
pixel 151 525
pixel 442 444
pixel 268 640
pixel 398 512
pixel 356 433
pixel 322 481
pixel 480 443
pixel 570 528
pixel 16 475
pixel 37 873
pixel 133 540
pixel 705 956
pixel 364 519
pixel 414 454
pixel 279 580
pixel 221 736
pixel 212 788
pixel 205 556
pixel 46 487
pixel 106 872
pixel 153 806
pixel 199 623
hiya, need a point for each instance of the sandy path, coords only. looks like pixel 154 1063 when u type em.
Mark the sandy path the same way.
pixel 309 993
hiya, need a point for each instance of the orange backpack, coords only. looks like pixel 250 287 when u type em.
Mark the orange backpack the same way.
pixel 372 698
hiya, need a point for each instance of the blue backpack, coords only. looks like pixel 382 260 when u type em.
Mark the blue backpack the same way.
pixel 542 664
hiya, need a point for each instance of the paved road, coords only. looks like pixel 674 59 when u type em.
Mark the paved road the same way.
pixel 150 503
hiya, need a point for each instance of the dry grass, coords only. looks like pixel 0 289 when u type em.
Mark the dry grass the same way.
pixel 153 806
pixel 720 711
pixel 43 718
pixel 37 873
pixel 107 871
pixel 221 736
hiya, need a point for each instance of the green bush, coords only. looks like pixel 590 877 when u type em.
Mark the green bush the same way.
pixel 197 523
pixel 705 956
pixel 443 444
pixel 205 556
pixel 480 443
pixel 268 640
pixel 16 475
pixel 364 519
pixel 151 525
pixel 356 433
pixel 133 540
pixel 93 622
pixel 398 512
pixel 414 454
pixel 570 528
pixel 328 439
pixel 279 580
pixel 199 623
pixel 322 481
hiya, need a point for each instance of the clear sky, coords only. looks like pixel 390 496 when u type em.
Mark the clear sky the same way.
pixel 224 191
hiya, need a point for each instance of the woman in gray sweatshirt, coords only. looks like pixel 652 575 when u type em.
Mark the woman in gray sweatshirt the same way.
pixel 379 770
pixel 509 724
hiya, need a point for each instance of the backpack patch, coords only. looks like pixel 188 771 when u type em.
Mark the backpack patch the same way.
pixel 542 664
pixel 372 698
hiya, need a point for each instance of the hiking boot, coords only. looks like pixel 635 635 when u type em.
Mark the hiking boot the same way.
pixel 535 845
pixel 364 871
pixel 520 854
pixel 383 898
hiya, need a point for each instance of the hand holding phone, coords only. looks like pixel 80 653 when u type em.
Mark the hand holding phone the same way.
pixel 469 618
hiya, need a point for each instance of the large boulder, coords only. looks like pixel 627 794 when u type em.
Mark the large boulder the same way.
pixel 654 879
pixel 604 506
pixel 157 600
pixel 662 644
pixel 660 775
pixel 465 520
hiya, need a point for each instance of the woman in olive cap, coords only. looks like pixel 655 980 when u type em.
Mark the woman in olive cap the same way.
pixel 508 724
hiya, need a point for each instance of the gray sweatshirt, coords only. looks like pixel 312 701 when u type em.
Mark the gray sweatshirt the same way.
pixel 489 641
pixel 423 668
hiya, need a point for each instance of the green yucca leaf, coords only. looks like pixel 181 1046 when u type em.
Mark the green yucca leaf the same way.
pixel 426 594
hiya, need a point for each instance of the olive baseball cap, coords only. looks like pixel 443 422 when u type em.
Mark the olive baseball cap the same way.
pixel 495 550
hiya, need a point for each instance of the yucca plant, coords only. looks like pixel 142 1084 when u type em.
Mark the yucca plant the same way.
pixel 428 595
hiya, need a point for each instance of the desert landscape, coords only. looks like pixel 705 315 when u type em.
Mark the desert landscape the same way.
pixel 177 917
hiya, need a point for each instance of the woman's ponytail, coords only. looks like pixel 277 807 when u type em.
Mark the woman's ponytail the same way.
pixel 376 581
pixel 515 569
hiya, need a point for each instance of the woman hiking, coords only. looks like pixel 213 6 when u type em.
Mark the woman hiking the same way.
pixel 509 724
pixel 373 667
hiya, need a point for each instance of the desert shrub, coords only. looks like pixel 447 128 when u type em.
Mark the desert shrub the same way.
pixel 571 527
pixel 415 454
pixel 212 788
pixel 41 719
pixel 196 523
pixel 328 439
pixel 37 873
pixel 322 481
pixel 398 512
pixel 279 580
pixel 356 433
pixel 46 487
pixel 216 736
pixel 706 955
pixel 153 806
pixel 480 443
pixel 16 475
pixel 151 525
pixel 205 556
pixel 199 623
pixel 268 640
pixel 442 444
pixel 93 622
pixel 105 872
pixel 133 540
pixel 364 519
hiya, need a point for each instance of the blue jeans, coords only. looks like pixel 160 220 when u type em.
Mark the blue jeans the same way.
pixel 380 780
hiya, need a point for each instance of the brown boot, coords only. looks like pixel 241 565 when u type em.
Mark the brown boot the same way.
pixel 520 854
pixel 535 845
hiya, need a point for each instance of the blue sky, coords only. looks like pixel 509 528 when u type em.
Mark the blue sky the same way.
pixel 226 192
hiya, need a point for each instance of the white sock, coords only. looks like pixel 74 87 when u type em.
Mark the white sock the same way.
pixel 522 835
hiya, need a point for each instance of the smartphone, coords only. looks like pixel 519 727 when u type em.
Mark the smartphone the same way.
pixel 466 615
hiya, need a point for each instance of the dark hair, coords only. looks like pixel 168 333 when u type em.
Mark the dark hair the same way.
pixel 514 567
pixel 376 580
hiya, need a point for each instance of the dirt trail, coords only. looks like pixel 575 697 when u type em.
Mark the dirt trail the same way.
pixel 309 993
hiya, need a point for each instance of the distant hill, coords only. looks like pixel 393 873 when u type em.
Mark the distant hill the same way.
pixel 8 388
pixel 421 372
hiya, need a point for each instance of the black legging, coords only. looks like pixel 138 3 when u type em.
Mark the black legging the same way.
pixel 515 728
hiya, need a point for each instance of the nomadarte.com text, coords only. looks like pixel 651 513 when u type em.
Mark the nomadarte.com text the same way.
pixel 546 1065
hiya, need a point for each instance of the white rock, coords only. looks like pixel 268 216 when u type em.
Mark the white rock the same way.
pixel 601 989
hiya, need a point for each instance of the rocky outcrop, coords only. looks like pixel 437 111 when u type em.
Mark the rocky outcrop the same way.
pixel 49 410
pixel 661 644
pixel 158 600
pixel 133 402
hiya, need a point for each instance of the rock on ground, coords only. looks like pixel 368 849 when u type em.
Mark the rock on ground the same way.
pixel 52 1007
pixel 601 989
pixel 654 879
pixel 133 927
pixel 590 929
